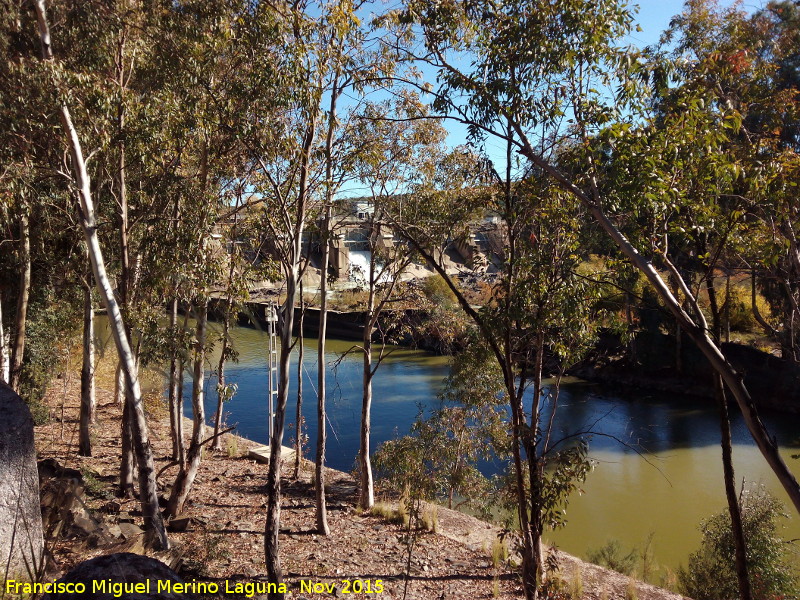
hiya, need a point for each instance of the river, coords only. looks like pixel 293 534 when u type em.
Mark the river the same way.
pixel 664 479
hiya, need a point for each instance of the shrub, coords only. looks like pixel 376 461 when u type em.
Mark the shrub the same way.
pixel 741 310
pixel 613 557
pixel 437 291
pixel 711 574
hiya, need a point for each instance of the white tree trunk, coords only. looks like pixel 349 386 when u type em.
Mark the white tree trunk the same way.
pixel 186 476
pixel 21 317
pixel 153 522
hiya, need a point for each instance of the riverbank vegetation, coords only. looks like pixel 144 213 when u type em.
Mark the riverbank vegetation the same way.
pixel 229 149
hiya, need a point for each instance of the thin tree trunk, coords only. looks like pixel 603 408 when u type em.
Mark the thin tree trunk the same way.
pixel 272 527
pixel 291 271
pixel 322 335
pixel 87 415
pixel 5 359
pixel 298 419
pixel 221 391
pixel 175 414
pixel 740 545
pixel 153 522
pixel 734 510
pixel 727 307
pixel 181 379
pixel 128 459
pixel 21 318
pixel 119 384
pixel 367 494
pixel 535 472
pixel 186 475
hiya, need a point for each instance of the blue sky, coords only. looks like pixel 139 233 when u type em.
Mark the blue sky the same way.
pixel 653 17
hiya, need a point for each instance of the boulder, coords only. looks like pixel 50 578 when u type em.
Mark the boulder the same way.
pixel 21 541
pixel 114 576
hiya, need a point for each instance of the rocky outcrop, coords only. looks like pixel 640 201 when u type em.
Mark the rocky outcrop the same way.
pixel 21 542
pixel 66 515
pixel 123 575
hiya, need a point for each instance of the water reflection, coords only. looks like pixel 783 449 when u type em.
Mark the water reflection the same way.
pixel 658 460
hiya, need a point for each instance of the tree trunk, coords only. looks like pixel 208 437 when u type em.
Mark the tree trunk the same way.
pixel 221 391
pixel 186 475
pixel 535 472
pixel 298 418
pixel 322 335
pixel 119 385
pixel 21 318
pixel 366 488
pixel 291 265
pixel 272 527
pixel 153 522
pixel 5 359
pixel 128 459
pixel 727 307
pixel 367 496
pixel 87 417
pixel 734 509
pixel 175 403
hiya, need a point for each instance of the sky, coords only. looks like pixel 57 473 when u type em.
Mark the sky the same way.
pixel 653 17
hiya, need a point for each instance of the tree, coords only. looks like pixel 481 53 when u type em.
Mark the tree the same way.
pixel 153 521
pixel 88 403
pixel 395 155
pixel 711 573
pixel 539 80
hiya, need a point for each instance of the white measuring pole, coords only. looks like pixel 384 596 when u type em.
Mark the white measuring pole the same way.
pixel 272 364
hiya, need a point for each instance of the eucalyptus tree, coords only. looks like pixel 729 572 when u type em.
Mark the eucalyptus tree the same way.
pixel 397 155
pixel 281 149
pixel 153 521
pixel 544 75
pixel 538 302
pixel 351 65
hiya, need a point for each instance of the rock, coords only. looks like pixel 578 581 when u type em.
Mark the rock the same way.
pixel 21 539
pixel 124 570
pixel 129 530
pixel 111 508
pixel 179 523
pixel 64 511
pixel 114 530
pixel 50 468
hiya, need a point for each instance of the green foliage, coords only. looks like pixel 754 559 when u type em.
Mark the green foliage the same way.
pixel 52 334
pixel 445 447
pixel 437 291
pixel 612 556
pixel 741 311
pixel 711 574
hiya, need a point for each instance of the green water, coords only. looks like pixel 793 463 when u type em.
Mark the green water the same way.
pixel 664 478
